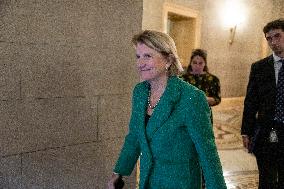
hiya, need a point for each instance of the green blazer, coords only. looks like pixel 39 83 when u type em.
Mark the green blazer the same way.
pixel 176 141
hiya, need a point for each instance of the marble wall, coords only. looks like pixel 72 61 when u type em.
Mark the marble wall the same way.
pixel 231 63
pixel 67 72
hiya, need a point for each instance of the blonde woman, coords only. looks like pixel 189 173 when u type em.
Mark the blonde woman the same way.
pixel 170 127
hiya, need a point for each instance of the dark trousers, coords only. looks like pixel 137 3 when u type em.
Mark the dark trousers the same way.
pixel 270 161
pixel 271 171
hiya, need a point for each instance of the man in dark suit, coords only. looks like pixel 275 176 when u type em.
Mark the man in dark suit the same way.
pixel 263 117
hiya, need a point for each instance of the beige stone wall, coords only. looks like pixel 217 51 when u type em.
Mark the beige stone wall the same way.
pixel 67 72
pixel 153 11
pixel 231 63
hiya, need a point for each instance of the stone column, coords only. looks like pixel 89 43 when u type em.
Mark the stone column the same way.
pixel 67 72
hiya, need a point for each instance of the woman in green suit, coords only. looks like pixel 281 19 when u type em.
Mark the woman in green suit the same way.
pixel 170 128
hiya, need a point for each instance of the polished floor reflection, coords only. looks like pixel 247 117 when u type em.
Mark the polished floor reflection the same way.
pixel 239 167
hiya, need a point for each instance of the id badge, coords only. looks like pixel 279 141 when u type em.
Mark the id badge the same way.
pixel 273 136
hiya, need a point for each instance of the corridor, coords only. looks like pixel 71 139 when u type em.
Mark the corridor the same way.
pixel 239 167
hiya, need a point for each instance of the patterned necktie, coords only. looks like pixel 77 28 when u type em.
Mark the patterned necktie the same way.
pixel 279 113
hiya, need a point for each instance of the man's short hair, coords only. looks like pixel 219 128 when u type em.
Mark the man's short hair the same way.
pixel 275 24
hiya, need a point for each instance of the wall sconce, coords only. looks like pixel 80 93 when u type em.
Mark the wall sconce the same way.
pixel 232 34
pixel 232 14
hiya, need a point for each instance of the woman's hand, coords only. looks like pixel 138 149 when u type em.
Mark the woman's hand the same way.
pixel 211 101
pixel 113 179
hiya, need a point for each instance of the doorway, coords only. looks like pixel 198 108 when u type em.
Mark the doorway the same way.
pixel 183 25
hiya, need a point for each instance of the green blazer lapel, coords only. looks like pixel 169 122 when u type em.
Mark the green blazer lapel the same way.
pixel 164 108
pixel 140 109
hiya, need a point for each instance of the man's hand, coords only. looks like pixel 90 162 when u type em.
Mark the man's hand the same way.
pixel 246 141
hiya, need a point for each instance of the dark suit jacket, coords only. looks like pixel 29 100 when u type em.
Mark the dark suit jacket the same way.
pixel 259 105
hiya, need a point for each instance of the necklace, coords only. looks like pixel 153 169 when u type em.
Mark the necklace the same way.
pixel 149 104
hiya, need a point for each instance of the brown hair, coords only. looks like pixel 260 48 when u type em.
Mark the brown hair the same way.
pixel 275 24
pixel 198 52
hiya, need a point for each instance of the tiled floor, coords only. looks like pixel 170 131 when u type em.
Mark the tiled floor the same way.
pixel 239 167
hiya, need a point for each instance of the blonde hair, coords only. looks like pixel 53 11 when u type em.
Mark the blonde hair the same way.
pixel 163 44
